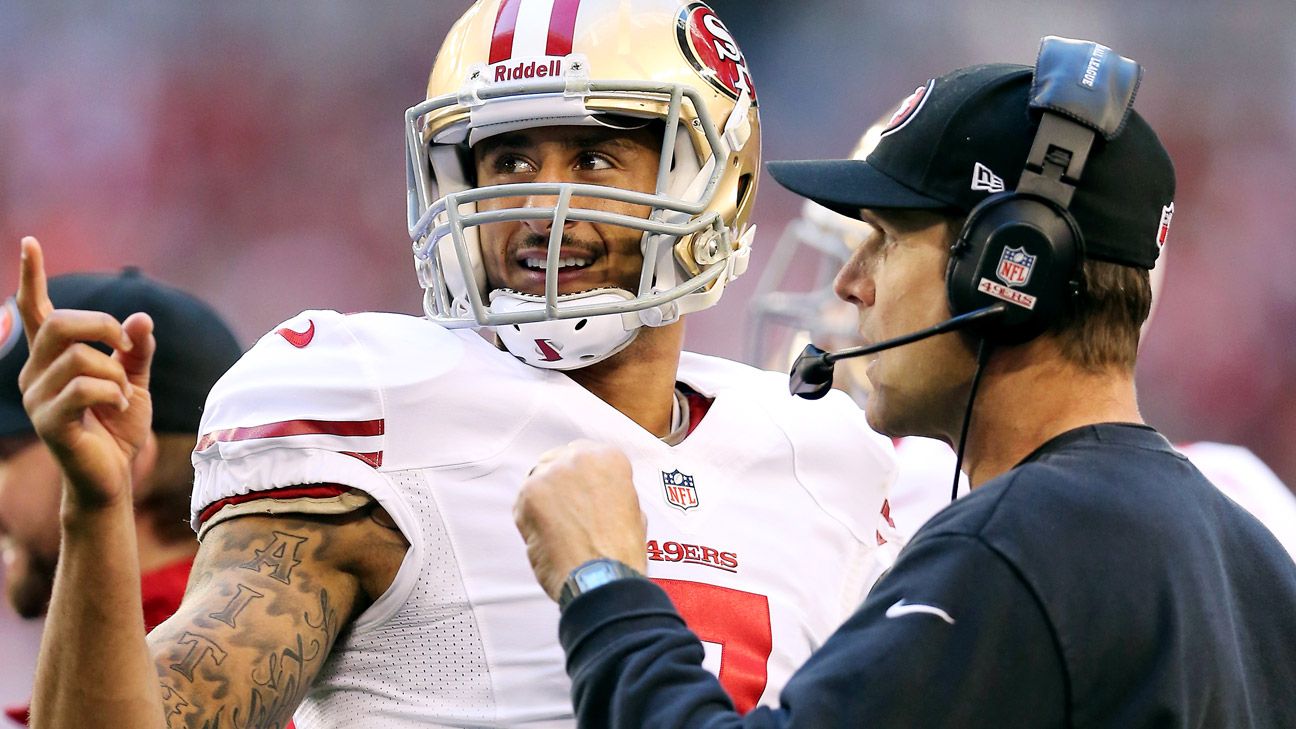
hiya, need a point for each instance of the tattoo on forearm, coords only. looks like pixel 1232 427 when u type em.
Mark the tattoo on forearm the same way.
pixel 175 705
pixel 236 605
pixel 279 682
pixel 280 554
pixel 200 647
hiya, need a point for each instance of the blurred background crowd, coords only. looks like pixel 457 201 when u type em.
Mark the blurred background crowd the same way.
pixel 251 152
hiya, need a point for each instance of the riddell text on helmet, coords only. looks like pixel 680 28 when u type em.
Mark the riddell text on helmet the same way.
pixel 527 69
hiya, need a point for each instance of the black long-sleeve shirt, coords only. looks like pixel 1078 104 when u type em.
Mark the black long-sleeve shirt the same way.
pixel 1103 582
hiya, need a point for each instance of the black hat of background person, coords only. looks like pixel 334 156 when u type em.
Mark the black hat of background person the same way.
pixel 194 346
pixel 963 136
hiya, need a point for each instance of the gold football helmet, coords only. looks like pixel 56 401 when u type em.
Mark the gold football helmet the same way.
pixel 516 64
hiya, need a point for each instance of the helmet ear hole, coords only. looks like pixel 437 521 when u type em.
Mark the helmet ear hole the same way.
pixel 468 163
pixel 581 324
pixel 744 186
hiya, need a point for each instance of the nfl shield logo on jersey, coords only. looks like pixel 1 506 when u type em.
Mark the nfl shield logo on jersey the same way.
pixel 1015 266
pixel 680 491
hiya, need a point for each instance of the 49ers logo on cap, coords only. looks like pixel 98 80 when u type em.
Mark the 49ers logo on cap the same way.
pixel 909 107
pixel 10 326
pixel 710 48
pixel 1163 228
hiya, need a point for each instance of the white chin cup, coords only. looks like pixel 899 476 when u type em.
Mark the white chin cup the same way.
pixel 564 344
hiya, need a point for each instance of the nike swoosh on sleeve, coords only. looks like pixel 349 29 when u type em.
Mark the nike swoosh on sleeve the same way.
pixel 298 339
pixel 901 608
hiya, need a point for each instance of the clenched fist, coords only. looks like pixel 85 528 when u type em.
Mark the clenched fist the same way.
pixel 578 504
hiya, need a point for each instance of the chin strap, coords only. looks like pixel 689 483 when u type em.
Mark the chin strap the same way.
pixel 565 344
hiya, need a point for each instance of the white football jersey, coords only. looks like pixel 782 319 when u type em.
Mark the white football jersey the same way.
pixel 1243 477
pixel 926 472
pixel 923 481
pixel 763 524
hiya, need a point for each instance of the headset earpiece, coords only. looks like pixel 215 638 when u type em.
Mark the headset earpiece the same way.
pixel 1022 249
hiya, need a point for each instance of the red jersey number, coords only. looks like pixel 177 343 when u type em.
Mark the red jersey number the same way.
pixel 738 621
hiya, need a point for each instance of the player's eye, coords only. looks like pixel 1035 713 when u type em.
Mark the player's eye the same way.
pixel 513 164
pixel 593 162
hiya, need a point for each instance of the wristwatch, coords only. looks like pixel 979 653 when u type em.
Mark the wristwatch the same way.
pixel 594 574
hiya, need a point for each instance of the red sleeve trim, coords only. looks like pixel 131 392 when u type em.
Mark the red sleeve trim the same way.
pixel 314 491
pixel 283 428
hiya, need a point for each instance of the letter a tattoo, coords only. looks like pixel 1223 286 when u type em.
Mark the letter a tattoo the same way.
pixel 281 554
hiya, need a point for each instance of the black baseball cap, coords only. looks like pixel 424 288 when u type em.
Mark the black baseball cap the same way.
pixel 194 346
pixel 964 136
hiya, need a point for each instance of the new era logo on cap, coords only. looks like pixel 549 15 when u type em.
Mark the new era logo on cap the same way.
pixel 984 179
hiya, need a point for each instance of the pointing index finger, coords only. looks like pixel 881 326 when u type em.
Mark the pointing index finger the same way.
pixel 33 292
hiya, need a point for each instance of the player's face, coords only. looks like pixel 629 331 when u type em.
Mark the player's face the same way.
pixel 896 280
pixel 594 255
pixel 30 488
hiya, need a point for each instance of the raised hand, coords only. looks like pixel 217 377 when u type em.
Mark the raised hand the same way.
pixel 92 409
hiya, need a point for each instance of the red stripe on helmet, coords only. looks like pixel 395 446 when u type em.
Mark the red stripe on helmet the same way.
pixel 501 48
pixel 562 27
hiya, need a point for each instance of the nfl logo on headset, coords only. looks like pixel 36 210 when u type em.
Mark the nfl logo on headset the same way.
pixel 1015 266
pixel 680 491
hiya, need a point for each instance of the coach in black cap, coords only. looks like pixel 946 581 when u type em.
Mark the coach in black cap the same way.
pixel 1093 577
pixel 194 348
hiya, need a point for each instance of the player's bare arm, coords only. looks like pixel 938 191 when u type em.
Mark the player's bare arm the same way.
pixel 93 411
pixel 231 656
pixel 267 598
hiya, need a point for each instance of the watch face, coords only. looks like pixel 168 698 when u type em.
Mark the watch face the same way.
pixel 590 575
pixel 599 573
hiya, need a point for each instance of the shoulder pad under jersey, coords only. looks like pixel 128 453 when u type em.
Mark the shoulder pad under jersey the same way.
pixel 333 398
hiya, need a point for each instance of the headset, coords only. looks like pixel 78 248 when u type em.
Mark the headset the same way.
pixel 1029 231
pixel 1017 263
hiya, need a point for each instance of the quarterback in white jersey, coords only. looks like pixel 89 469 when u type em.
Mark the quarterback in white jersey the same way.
pixel 750 522
pixel 579 178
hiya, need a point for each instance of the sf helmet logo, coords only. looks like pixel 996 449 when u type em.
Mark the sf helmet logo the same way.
pixel 710 48
pixel 908 108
